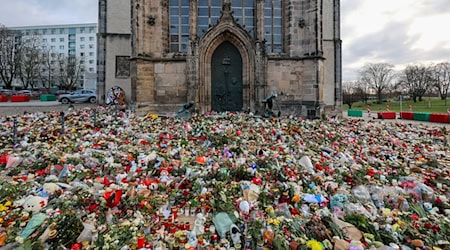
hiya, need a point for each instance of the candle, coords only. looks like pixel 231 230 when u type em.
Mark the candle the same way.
pixel 175 212
pixel 140 241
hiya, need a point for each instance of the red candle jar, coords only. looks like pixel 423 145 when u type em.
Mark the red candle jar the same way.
pixel 140 241
pixel 166 224
pixel 174 212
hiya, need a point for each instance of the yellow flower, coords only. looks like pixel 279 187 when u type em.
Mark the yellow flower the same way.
pixel 8 203
pixel 386 212
pixel 369 236
pixel 314 245
pixel 270 210
pixel 395 227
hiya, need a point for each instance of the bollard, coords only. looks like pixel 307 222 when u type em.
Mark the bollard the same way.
pixel 15 131
pixel 62 122
pixel 95 118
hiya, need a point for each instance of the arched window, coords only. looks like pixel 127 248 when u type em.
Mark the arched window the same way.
pixel 244 13
pixel 209 11
pixel 179 25
pixel 273 25
pixel 208 14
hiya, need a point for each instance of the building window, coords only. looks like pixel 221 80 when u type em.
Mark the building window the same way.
pixel 53 40
pixel 91 30
pixel 61 54
pixel 44 40
pixel 243 12
pixel 82 54
pixel 53 31
pixel 179 25
pixel 273 25
pixel 91 69
pixel 61 47
pixel 91 53
pixel 91 46
pixel 61 31
pixel 81 30
pixel 91 38
pixel 82 46
pixel 208 14
pixel 82 38
pixel 91 61
pixel 61 39
pixel 122 66
pixel 44 32
pixel 53 47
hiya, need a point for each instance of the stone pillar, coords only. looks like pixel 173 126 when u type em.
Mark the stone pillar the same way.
pixel 101 52
pixel 192 56
pixel 259 17
pixel 337 54
pixel 260 60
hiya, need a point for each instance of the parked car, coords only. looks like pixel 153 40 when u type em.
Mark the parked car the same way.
pixel 78 96
pixel 25 92
pixel 7 92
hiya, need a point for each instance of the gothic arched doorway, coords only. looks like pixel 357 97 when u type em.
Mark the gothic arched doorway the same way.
pixel 226 79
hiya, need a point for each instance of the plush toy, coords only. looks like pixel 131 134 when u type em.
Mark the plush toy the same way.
pixel 165 178
pixel 50 188
pixel 32 204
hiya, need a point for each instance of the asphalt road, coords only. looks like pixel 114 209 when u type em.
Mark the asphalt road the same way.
pixel 19 108
pixel 12 109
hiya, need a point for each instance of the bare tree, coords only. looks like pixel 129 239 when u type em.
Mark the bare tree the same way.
pixel 30 64
pixel 441 78
pixel 417 80
pixel 70 71
pixel 377 76
pixel 9 60
pixel 48 69
pixel 351 93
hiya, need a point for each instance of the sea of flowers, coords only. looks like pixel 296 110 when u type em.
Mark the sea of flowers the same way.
pixel 95 179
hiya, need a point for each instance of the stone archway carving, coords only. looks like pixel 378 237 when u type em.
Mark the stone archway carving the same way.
pixel 229 32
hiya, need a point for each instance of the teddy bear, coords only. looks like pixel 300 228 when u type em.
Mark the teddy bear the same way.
pixel 50 188
pixel 32 204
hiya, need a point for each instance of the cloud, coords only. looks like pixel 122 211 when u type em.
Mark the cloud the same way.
pixel 399 32
pixel 48 12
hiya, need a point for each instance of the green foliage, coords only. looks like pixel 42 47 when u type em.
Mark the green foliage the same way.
pixel 69 227
pixel 219 140
pixel 362 223
pixel 434 105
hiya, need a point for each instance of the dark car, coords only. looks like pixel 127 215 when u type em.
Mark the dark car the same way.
pixel 78 96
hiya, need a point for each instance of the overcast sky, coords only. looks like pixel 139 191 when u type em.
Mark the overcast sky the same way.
pixel 399 32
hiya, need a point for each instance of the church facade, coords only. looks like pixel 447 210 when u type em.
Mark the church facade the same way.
pixel 232 55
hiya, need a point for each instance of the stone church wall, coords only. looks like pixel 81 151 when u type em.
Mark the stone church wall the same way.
pixel 295 83
pixel 119 45
pixel 304 75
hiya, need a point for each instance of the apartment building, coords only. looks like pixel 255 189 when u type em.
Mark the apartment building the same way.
pixel 73 40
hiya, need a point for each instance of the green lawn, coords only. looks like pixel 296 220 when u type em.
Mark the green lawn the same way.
pixel 432 105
